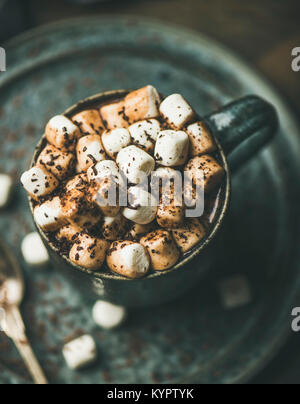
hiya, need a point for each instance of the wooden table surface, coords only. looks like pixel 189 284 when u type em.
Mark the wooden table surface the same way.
pixel 263 32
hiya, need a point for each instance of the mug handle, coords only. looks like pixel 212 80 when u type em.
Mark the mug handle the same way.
pixel 243 127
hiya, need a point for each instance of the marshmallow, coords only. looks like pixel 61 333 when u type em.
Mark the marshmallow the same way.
pixel 34 251
pixel 128 259
pixel 89 122
pixel 80 352
pixel 56 162
pixel 142 206
pixel 105 169
pixel 103 192
pixel 69 233
pixel 113 228
pixel 167 173
pixel 205 172
pixel 138 230
pixel 142 104
pixel 164 180
pixel 78 169
pixel 77 210
pixel 6 187
pixel 79 182
pixel 176 111
pixel 39 182
pixel 89 151
pixel 172 148
pixel 170 217
pixel 113 115
pixel 108 315
pixel 135 164
pixel 115 140
pixel 212 204
pixel 235 292
pixel 201 141
pixel 50 216
pixel 171 210
pixel 89 252
pixel 189 235
pixel 62 133
pixel 192 196
pixel 162 249
pixel 145 133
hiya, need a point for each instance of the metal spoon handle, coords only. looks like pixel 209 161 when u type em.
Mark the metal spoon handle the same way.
pixel 15 329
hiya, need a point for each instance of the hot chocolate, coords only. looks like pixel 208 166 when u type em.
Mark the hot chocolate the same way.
pixel 134 183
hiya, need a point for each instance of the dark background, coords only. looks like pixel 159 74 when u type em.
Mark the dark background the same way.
pixel 263 32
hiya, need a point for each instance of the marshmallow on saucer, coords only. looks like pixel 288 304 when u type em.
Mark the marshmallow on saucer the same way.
pixel 49 216
pixel 142 206
pixel 176 111
pixel 135 164
pixel 145 133
pixel 128 259
pixel 115 140
pixel 162 249
pixel 62 133
pixel 56 162
pixel 89 252
pixel 113 115
pixel 172 148
pixel 89 122
pixel 80 352
pixel 189 234
pixel 89 151
pixel 113 228
pixel 39 182
pixel 235 292
pixel 34 251
pixel 142 104
pixel 205 172
pixel 108 315
pixel 201 141
pixel 6 186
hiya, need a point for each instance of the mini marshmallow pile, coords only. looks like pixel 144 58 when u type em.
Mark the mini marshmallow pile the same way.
pixel 88 154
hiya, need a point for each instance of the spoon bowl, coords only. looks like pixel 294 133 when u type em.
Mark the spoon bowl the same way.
pixel 11 295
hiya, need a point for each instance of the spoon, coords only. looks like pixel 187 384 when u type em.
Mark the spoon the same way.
pixel 11 296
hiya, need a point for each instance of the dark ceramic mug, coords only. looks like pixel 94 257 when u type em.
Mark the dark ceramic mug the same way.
pixel 240 129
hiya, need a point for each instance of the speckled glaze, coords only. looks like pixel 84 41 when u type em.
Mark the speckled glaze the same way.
pixel 230 126
pixel 192 339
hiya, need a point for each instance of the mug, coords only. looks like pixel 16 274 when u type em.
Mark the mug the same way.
pixel 240 130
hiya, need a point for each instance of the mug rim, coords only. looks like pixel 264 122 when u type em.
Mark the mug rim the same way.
pixel 114 94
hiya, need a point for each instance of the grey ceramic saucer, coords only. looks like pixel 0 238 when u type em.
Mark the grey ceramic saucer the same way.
pixel 193 339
